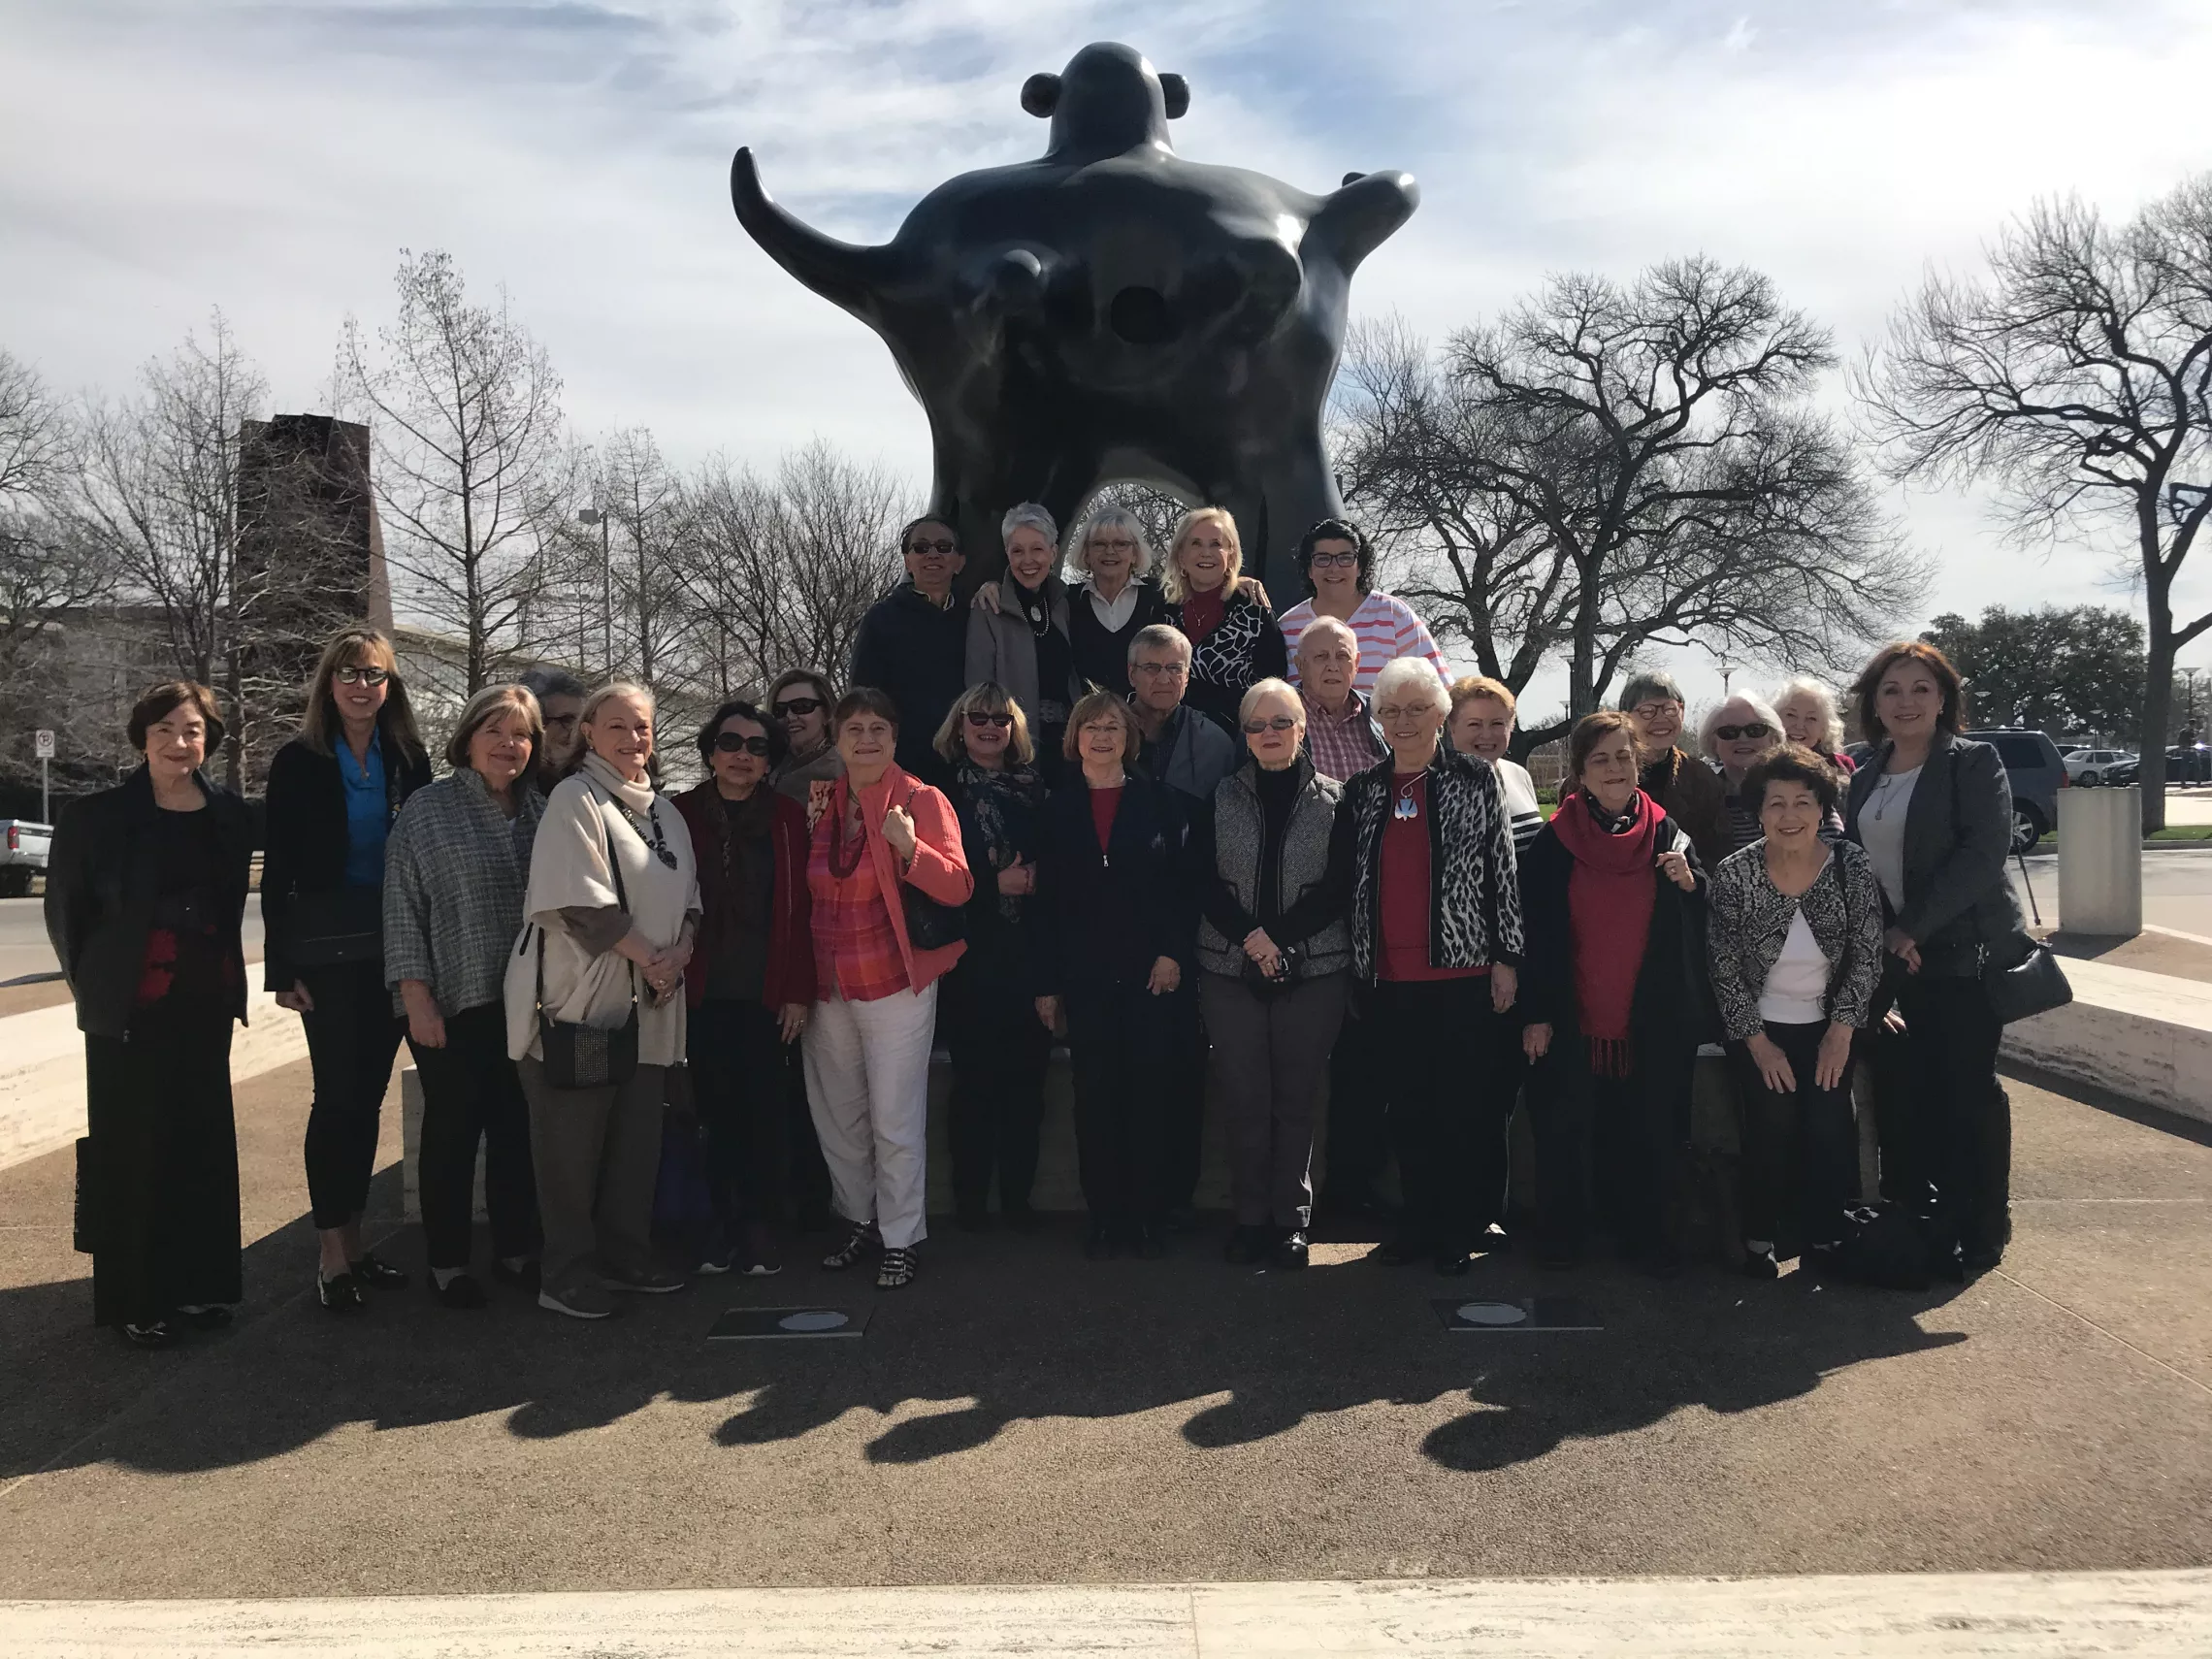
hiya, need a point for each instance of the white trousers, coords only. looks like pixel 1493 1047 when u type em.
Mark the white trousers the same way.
pixel 867 1081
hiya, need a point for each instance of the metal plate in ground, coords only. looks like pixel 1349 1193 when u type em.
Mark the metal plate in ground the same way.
pixel 1529 1314
pixel 781 1324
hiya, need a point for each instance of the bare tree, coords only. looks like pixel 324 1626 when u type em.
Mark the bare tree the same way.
pixel 1658 438
pixel 35 438
pixel 465 408
pixel 647 516
pixel 2076 377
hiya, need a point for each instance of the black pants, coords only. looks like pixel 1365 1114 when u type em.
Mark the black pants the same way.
pixel 737 1078
pixel 1609 1150
pixel 472 1093
pixel 1950 1138
pixel 353 1036
pixel 162 1166
pixel 1447 1121
pixel 1358 1127
pixel 1185 1088
pixel 999 1052
pixel 1124 1043
pixel 1800 1167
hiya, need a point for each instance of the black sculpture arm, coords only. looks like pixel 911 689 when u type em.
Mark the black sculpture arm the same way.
pixel 1358 218
pixel 840 271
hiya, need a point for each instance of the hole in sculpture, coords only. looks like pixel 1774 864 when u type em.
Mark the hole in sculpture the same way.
pixel 1140 316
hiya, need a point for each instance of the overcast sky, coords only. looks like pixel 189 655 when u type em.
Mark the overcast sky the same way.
pixel 160 157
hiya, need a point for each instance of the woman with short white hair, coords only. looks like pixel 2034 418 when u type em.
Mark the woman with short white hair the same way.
pixel 1117 596
pixel 1809 716
pixel 1738 733
pixel 1022 642
pixel 1437 943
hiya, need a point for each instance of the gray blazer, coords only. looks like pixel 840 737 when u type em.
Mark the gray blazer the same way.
pixel 1000 647
pixel 1957 903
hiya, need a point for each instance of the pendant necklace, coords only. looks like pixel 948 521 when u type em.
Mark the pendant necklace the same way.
pixel 1407 806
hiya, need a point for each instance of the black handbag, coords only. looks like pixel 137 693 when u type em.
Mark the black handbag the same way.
pixel 577 1055
pixel 2034 985
pixel 930 925
pixel 1883 1245
pixel 335 925
pixel 1267 987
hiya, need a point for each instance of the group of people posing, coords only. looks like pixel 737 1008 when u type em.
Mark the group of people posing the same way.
pixel 1285 857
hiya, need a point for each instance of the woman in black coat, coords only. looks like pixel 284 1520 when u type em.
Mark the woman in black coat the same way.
pixel 145 891
pixel 1614 996
pixel 334 790
pixel 1114 931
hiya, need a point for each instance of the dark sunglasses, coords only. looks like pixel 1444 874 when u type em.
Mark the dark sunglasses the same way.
pixel 365 676
pixel 796 705
pixel 1730 734
pixel 730 744
pixel 943 548
pixel 1281 723
pixel 977 717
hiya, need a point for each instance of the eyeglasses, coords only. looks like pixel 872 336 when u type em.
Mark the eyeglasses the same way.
pixel 559 723
pixel 1111 544
pixel 941 547
pixel 977 717
pixel 1756 728
pixel 731 743
pixel 360 676
pixel 1333 560
pixel 1281 723
pixel 1173 670
pixel 1653 710
pixel 798 706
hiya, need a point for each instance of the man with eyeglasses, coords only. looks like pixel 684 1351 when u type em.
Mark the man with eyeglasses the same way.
pixel 1184 751
pixel 1342 738
pixel 560 698
pixel 1689 791
pixel 912 646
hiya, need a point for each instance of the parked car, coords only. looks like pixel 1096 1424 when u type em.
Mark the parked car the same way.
pixel 2038 771
pixel 2090 768
pixel 22 854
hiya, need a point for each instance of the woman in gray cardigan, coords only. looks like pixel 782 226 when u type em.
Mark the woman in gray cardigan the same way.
pixel 1018 632
pixel 1275 953
pixel 1934 813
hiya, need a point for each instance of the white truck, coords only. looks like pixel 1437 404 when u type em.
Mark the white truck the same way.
pixel 22 854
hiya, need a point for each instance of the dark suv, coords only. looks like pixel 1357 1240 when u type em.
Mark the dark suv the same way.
pixel 2038 771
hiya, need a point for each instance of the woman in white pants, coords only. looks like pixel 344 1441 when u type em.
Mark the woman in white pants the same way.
pixel 878 835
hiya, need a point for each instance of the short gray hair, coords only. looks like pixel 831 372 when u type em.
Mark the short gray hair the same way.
pixel 1831 719
pixel 1646 684
pixel 1402 670
pixel 1760 708
pixel 545 680
pixel 1034 517
pixel 1109 518
pixel 1160 636
pixel 1271 687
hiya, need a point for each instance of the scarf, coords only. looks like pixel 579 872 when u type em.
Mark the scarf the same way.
pixel 1000 801
pixel 727 893
pixel 637 796
pixel 1609 897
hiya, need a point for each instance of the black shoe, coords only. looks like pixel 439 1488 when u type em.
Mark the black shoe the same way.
pixel 1099 1242
pixel 861 1239
pixel 1493 1240
pixel 1152 1240
pixel 1452 1265
pixel 341 1295
pixel 1291 1253
pixel 154 1333
pixel 210 1317
pixel 524 1278
pixel 375 1273
pixel 1983 1259
pixel 460 1292
pixel 1761 1263
pixel 1399 1252
pixel 1246 1246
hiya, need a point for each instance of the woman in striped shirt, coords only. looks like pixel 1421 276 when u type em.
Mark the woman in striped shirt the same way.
pixel 1339 564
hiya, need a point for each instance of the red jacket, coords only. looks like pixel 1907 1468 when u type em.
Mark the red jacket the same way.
pixel 791 941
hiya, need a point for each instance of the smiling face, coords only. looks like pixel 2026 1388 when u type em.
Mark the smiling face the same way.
pixel 620 733
pixel 1804 720
pixel 933 556
pixel 1658 722
pixel 176 744
pixel 1029 556
pixel 741 756
pixel 985 734
pixel 359 700
pixel 1740 735
pixel 1411 715
pixel 866 741
pixel 1334 571
pixel 805 715
pixel 1203 556
pixel 1910 701
pixel 498 749
pixel 1790 814
pixel 1282 730
pixel 1102 742
pixel 1483 725
pixel 1111 552
pixel 1609 771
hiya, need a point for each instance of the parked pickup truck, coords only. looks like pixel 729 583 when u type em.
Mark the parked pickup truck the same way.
pixel 22 854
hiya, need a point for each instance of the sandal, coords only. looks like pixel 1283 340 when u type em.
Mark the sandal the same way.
pixel 861 1239
pixel 896 1269
pixel 154 1333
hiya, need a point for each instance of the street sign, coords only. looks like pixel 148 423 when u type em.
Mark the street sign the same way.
pixel 45 745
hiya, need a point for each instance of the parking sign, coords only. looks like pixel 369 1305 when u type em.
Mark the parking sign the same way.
pixel 45 750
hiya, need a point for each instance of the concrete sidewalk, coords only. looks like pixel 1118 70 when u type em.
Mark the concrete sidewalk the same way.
pixel 1021 1416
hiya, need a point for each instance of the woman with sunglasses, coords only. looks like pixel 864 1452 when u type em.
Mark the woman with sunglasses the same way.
pixel 1274 961
pixel 750 980
pixel 1740 731
pixel 999 1048
pixel 799 702
pixel 333 793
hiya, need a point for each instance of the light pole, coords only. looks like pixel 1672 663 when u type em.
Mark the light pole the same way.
pixel 592 515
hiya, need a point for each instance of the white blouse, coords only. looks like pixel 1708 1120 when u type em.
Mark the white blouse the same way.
pixel 1796 993
pixel 1881 830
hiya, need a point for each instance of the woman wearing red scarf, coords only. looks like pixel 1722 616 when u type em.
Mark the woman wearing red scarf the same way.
pixel 1613 991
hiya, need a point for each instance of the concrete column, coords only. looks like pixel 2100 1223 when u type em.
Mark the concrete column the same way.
pixel 2100 861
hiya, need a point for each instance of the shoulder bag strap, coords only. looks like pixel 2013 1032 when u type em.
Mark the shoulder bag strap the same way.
pixel 621 898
